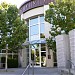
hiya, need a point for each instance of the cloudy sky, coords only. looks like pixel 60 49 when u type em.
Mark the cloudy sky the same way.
pixel 16 2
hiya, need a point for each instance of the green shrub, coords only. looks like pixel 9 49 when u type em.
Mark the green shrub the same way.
pixel 12 63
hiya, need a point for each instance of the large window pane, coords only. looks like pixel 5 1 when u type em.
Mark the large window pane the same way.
pixel 34 37
pixel 43 47
pixel 34 30
pixel 42 28
pixel 33 21
pixel 42 19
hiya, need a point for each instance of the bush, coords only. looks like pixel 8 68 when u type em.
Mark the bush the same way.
pixel 12 63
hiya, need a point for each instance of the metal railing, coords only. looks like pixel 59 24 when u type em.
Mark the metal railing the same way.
pixel 27 68
pixel 71 63
pixel 67 71
pixel 26 71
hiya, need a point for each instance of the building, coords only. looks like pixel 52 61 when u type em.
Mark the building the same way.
pixel 33 11
pixel 12 59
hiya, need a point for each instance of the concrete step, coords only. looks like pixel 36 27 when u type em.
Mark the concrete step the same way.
pixel 37 71
pixel 64 71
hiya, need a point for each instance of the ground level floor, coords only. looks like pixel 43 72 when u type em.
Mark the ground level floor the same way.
pixel 12 60
pixel 38 53
pixel 37 71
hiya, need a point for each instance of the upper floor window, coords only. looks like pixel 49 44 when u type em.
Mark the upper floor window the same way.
pixel 34 30
pixel 41 19
pixel 33 21
pixel 36 27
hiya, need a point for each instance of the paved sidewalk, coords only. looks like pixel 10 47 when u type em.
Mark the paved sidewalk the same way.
pixel 37 71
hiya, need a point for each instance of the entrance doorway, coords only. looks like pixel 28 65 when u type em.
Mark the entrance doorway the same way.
pixel 38 55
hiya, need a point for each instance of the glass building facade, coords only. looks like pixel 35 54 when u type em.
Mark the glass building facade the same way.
pixel 36 28
pixel 36 33
pixel 33 11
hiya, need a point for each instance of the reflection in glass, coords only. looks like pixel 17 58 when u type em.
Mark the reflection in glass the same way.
pixel 34 46
pixel 34 21
pixel 43 59
pixel 43 47
pixel 42 28
pixel 35 32
pixel 42 35
pixel 34 29
pixel 34 37
pixel 35 56
pixel 41 19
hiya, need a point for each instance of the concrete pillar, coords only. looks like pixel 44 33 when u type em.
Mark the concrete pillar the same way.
pixel 49 58
pixel 63 50
pixel 72 46
pixel 24 57
pixel 20 58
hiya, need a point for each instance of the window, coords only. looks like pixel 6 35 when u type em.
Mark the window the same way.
pixel 43 47
pixel 33 21
pixel 42 29
pixel 34 29
pixel 37 28
pixel 34 37
pixel 41 19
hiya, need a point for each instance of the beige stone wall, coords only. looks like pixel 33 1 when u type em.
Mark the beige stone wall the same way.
pixel 49 62
pixel 47 25
pixel 24 58
pixel 72 46
pixel 63 50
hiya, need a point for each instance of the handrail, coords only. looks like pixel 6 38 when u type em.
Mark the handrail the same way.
pixel 71 63
pixel 26 69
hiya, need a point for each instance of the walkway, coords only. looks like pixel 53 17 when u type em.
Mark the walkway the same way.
pixel 37 71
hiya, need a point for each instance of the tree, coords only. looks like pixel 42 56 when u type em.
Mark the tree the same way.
pixel 13 30
pixel 61 15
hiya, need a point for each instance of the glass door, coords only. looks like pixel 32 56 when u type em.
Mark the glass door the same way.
pixel 35 56
pixel 43 55
pixel 38 55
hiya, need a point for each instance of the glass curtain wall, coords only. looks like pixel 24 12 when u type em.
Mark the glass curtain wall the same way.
pixel 36 32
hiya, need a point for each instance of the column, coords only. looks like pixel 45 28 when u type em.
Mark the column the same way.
pixel 63 50
pixel 72 46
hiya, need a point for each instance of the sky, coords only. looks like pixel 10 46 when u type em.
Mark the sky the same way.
pixel 16 2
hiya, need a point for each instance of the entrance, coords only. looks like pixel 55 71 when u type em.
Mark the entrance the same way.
pixel 38 55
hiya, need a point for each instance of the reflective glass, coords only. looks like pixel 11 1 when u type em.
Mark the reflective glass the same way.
pixel 34 46
pixel 42 28
pixel 33 21
pixel 34 37
pixel 42 19
pixel 43 47
pixel 34 30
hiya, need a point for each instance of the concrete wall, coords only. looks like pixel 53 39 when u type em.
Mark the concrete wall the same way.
pixel 72 46
pixel 33 12
pixel 49 61
pixel 24 58
pixel 47 25
pixel 63 50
